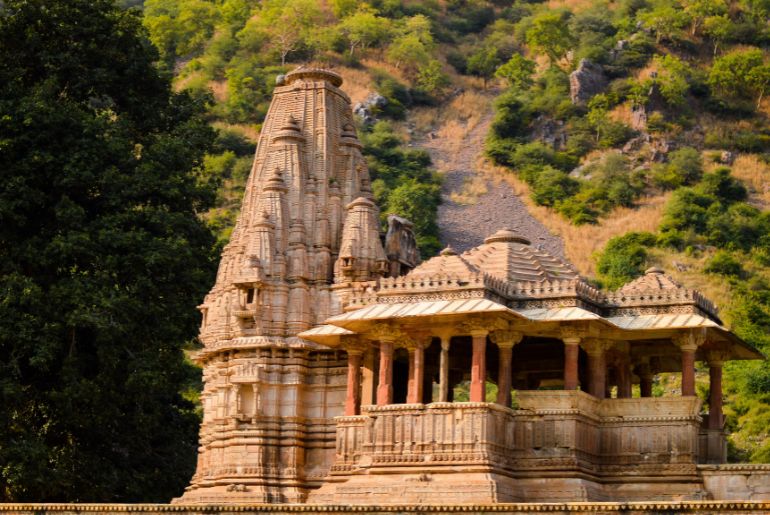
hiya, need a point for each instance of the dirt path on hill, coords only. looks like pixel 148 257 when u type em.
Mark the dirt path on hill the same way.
pixel 464 226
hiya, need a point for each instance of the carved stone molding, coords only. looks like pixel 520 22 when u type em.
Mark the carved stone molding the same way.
pixel 690 340
pixel 506 338
pixel 594 346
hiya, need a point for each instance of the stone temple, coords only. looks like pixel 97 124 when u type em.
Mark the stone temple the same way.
pixel 340 370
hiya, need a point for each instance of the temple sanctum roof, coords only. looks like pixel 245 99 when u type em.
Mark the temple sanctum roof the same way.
pixel 507 278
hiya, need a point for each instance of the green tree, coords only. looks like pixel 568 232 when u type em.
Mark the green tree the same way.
pixel 719 29
pixel 549 34
pixel 517 72
pixel 364 28
pixel 102 258
pixel 624 258
pixel 483 63
pixel 673 78
pixel 432 79
pixel 741 74
pixel 409 53
pixel 699 10
pixel 664 20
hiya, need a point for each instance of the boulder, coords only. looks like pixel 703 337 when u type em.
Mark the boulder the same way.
pixel 586 81
pixel 401 246
pixel 366 109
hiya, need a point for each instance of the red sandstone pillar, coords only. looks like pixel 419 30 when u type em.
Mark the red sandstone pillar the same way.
pixel 504 377
pixel 571 354
pixel 624 380
pixel 444 368
pixel 645 386
pixel 597 368
pixel 416 373
pixel 688 370
pixel 353 397
pixel 385 386
pixel 479 366
pixel 505 341
pixel 715 394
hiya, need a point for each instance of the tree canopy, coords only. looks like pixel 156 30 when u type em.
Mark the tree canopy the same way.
pixel 102 257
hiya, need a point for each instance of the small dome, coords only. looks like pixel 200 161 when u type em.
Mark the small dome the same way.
pixel 511 257
pixel 507 235
pixel 654 279
pixel 313 74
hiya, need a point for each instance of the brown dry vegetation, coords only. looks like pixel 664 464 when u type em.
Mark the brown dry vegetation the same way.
pixel 756 175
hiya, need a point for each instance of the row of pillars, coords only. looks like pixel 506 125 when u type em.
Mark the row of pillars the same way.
pixel 505 340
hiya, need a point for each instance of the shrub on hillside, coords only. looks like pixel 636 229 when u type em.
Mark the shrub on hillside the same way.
pixel 624 258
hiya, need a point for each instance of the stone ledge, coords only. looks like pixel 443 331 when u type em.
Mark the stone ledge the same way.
pixel 728 507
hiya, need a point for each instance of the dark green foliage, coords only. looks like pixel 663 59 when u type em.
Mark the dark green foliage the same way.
pixel 685 167
pixel 723 263
pixel 397 95
pixel 624 258
pixel 404 184
pixel 102 258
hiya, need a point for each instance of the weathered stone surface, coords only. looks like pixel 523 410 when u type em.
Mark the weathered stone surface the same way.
pixel 556 508
pixel 401 246
pixel 586 81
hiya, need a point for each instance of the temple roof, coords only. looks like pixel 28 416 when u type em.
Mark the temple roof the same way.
pixel 508 279
pixel 653 279
pixel 448 262
pixel 511 257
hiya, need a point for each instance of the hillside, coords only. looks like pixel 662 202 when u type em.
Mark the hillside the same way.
pixel 584 119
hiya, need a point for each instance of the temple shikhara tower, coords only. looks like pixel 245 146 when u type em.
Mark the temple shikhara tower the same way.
pixel 339 369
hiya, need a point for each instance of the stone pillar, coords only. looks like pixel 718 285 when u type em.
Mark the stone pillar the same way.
pixel 385 385
pixel 353 397
pixel 443 395
pixel 416 373
pixel 505 341
pixel 645 380
pixel 623 367
pixel 571 355
pixel 688 343
pixel 367 382
pixel 715 390
pixel 688 371
pixel 597 366
pixel 479 365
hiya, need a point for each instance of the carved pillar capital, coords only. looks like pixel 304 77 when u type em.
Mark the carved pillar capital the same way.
pixel 354 345
pixel 573 333
pixel 690 340
pixel 716 358
pixel 506 338
pixel 474 328
pixel 385 332
pixel 596 346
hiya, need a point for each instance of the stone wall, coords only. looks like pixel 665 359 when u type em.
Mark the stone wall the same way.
pixel 732 508
pixel 737 481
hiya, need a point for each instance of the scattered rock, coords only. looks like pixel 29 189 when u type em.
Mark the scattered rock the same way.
pixel 639 117
pixel 586 81
pixel 727 157
pixel 680 267
pixel 366 109
pixel 550 132
pixel 660 150
pixel 636 144
pixel 280 80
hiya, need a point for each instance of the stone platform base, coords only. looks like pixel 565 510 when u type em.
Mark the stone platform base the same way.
pixel 461 487
pixel 700 507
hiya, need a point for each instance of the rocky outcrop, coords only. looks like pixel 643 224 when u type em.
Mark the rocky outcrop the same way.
pixel 367 109
pixel 587 81
pixel 401 246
